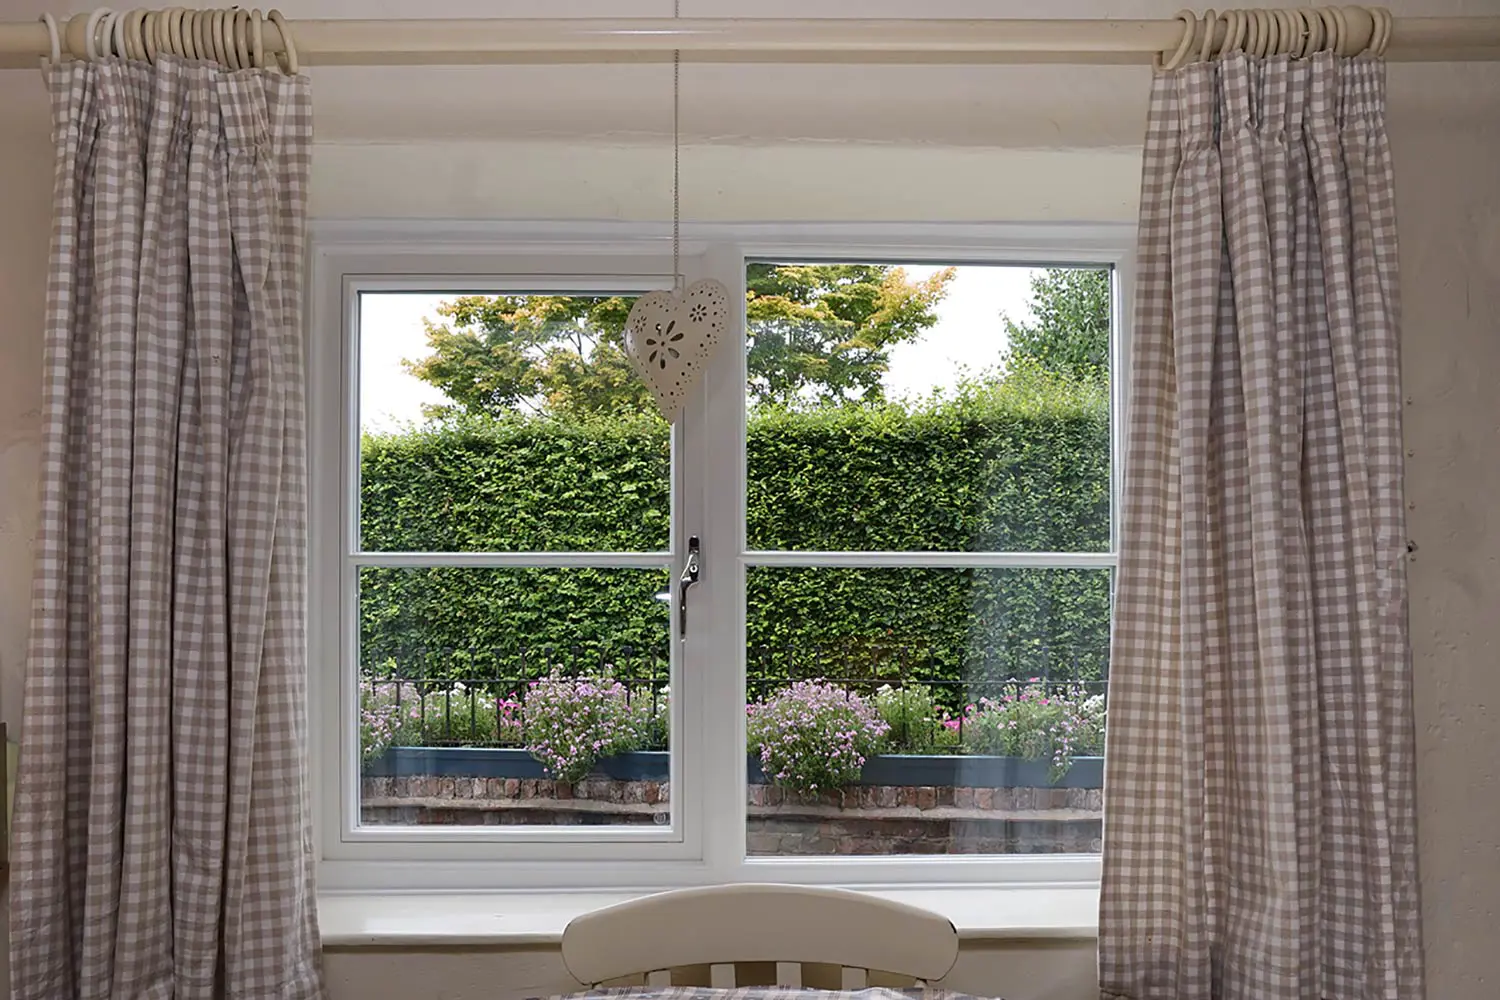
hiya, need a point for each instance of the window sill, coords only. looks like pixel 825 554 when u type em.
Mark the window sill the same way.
pixel 350 920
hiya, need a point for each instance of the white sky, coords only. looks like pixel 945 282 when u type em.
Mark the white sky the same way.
pixel 968 336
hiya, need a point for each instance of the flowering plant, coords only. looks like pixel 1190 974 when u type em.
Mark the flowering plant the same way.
pixel 915 719
pixel 570 722
pixel 388 714
pixel 814 736
pixel 392 714
pixel 1029 721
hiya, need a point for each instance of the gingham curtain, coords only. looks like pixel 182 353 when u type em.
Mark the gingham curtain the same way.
pixel 162 841
pixel 1259 835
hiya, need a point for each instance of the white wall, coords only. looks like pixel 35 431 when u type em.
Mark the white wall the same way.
pixel 935 142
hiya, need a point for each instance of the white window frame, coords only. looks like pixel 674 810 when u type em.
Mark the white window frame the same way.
pixel 705 843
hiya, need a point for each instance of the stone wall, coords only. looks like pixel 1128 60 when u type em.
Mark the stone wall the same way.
pixel 862 820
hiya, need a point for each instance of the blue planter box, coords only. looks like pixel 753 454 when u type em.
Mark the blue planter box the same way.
pixel 652 765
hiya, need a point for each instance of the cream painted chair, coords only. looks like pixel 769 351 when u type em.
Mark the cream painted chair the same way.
pixel 736 935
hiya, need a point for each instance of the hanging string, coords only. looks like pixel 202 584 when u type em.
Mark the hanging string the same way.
pixel 676 159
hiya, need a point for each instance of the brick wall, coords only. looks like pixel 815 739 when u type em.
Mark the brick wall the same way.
pixel 868 819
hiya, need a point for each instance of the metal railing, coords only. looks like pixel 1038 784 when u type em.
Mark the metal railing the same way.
pixel 477 697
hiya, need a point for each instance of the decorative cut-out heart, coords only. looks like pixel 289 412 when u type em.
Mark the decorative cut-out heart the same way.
pixel 669 339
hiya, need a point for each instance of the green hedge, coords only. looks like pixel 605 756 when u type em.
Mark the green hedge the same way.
pixel 1019 466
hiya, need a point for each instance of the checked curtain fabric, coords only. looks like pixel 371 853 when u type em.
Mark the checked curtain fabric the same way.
pixel 162 844
pixel 1259 832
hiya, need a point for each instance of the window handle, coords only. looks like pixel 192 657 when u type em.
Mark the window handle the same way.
pixel 687 579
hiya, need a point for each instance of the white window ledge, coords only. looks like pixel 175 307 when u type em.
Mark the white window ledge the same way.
pixel 538 918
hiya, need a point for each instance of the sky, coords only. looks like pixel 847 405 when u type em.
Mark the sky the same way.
pixel 968 336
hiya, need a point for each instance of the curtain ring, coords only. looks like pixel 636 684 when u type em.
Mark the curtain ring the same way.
pixel 238 28
pixel 216 36
pixel 1289 36
pixel 1253 32
pixel 1334 24
pixel 148 35
pixel 1210 31
pixel 54 44
pixel 174 31
pixel 189 28
pixel 1189 26
pixel 90 29
pixel 1234 32
pixel 200 34
pixel 117 29
pixel 257 39
pixel 131 22
pixel 291 66
pixel 1316 33
pixel 1383 24
pixel 226 37
pixel 1273 33
pixel 101 33
pixel 223 44
pixel 208 34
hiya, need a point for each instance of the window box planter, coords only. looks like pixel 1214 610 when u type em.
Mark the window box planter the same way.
pixel 652 765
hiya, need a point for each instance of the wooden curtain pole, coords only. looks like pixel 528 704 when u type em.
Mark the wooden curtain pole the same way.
pixel 474 41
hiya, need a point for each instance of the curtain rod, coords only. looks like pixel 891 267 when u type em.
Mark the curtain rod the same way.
pixel 475 41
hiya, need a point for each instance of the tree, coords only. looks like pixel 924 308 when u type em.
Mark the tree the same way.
pixel 532 353
pixel 1070 334
pixel 817 333
pixel 822 333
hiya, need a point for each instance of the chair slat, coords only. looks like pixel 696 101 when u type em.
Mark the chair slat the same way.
pixel 854 979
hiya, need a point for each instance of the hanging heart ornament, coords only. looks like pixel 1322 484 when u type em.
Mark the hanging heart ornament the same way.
pixel 670 338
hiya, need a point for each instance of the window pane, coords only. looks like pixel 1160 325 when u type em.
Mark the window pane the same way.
pixel 974 697
pixel 927 408
pixel 506 423
pixel 513 696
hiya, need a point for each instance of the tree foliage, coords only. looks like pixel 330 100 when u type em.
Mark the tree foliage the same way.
pixel 822 333
pixel 501 354
pixel 817 333
pixel 1070 333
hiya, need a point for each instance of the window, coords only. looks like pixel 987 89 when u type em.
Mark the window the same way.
pixel 899 478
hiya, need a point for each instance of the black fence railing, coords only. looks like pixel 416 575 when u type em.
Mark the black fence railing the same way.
pixel 477 698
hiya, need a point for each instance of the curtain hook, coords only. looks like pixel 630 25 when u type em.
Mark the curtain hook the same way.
pixel 54 44
pixel 1189 27
pixel 291 67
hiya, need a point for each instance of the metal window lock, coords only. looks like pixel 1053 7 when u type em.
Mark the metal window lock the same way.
pixel 687 579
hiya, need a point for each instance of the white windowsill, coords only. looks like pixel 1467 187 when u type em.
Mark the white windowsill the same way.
pixel 538 918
